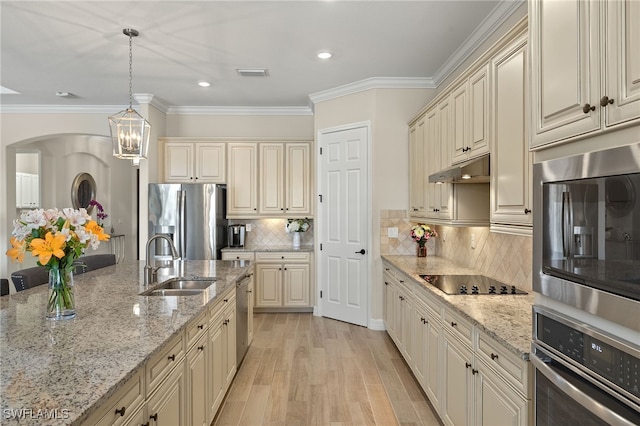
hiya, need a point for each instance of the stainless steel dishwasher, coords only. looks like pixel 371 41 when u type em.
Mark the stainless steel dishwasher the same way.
pixel 242 311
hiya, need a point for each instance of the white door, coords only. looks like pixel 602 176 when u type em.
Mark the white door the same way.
pixel 344 224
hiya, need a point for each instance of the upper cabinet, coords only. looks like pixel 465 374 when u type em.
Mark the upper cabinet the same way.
pixel 470 117
pixel 511 160
pixel 195 162
pixel 585 68
pixel 242 183
pixel 417 175
pixel 285 179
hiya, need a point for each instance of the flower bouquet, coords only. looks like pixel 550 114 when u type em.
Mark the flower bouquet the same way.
pixel 57 238
pixel 421 234
pixel 296 226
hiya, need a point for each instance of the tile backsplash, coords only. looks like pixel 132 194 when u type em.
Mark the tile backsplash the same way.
pixel 271 232
pixel 507 258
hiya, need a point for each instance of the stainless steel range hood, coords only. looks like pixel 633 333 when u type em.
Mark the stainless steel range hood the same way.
pixel 472 171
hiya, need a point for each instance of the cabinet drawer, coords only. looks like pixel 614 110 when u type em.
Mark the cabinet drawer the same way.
pixel 126 401
pixel 161 363
pixel 458 326
pixel 226 299
pixel 390 270
pixel 196 328
pixel 508 365
pixel 283 256
pixel 434 307
pixel 237 255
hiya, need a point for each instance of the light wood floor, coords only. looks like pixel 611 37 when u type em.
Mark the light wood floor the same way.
pixel 306 370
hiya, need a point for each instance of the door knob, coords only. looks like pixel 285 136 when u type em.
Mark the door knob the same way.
pixel 361 251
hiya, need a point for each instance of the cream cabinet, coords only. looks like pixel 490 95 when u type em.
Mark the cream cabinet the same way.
pixel 282 280
pixel 27 190
pixel 124 406
pixel 438 139
pixel 470 116
pixel 585 68
pixel 417 169
pixel 457 381
pixel 237 255
pixel 167 406
pixel 196 370
pixel 195 162
pixel 242 182
pixel 511 160
pixel 285 179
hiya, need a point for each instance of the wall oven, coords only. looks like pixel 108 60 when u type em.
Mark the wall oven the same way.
pixel 586 244
pixel 582 374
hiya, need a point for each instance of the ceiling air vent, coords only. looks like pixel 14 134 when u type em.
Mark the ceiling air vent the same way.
pixel 252 72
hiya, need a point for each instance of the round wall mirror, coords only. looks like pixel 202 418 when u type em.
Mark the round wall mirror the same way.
pixel 83 190
pixel 620 196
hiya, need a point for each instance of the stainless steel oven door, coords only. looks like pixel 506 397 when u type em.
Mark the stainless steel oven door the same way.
pixel 564 396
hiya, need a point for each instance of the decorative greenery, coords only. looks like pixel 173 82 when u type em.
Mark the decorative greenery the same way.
pixel 297 225
pixel 421 233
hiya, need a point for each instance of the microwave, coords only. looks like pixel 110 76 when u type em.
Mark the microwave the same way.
pixel 586 233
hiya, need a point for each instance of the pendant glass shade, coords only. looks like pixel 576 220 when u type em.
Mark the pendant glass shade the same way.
pixel 129 134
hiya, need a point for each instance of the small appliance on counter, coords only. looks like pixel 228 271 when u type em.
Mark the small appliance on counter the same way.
pixel 236 236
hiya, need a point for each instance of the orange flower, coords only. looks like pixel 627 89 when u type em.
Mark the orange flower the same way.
pixel 52 245
pixel 16 253
pixel 93 227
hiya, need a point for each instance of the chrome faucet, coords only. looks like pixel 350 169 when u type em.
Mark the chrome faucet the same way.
pixel 151 273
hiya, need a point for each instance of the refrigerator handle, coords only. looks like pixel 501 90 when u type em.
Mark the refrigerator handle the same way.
pixel 181 233
pixel 567 221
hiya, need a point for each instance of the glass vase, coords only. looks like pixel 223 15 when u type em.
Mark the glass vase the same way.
pixel 296 240
pixel 61 302
pixel 422 251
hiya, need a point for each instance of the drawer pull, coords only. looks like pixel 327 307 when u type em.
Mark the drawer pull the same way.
pixel 171 357
pixel 201 326
pixel 201 348
pixel 225 300
pixel 466 364
pixel 121 411
pixel 474 371
pixel 154 417
pixel 494 356
pixel 454 324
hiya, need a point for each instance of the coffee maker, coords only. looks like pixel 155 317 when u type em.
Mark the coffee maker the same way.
pixel 235 235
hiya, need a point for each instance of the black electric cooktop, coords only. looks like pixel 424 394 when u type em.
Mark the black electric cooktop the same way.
pixel 470 285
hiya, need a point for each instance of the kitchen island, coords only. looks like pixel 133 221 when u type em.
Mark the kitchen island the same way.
pixel 60 372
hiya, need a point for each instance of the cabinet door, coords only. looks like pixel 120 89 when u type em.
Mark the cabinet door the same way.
pixel 460 123
pixel 457 397
pixel 296 285
pixel 210 162
pixel 408 325
pixel 622 61
pixel 271 178
pixel 417 175
pixel 511 160
pixel 565 59
pixel 242 184
pixel 298 179
pixel 178 162
pixel 496 402
pixel 217 374
pixel 34 190
pixel 269 285
pixel 433 362
pixel 167 406
pixel 19 191
pixel 432 160
pixel 444 191
pixel 251 290
pixel 389 306
pixel 419 336
pixel 479 112
pixel 196 367
pixel 229 339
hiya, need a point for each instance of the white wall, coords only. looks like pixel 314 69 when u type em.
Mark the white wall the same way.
pixel 389 112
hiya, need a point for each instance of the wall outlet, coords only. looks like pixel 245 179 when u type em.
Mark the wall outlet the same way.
pixel 247 227
pixel 473 241
pixel 392 232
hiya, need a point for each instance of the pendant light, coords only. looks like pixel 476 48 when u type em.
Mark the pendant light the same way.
pixel 129 130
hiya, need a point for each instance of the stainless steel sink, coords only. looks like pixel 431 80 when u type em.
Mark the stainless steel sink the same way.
pixel 180 287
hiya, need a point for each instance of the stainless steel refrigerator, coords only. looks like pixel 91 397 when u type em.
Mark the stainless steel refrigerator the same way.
pixel 192 215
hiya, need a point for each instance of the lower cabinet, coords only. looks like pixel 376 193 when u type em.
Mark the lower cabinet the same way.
pixel 167 405
pixel 222 359
pixel 282 280
pixel 469 378
pixel 196 368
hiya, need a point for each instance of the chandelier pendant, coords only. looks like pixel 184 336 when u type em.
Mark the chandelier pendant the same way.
pixel 129 130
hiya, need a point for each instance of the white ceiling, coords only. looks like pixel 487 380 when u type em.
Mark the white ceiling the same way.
pixel 78 47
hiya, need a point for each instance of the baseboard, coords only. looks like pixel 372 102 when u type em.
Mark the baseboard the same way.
pixel 376 324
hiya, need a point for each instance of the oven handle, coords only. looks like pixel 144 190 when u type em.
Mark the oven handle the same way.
pixel 577 395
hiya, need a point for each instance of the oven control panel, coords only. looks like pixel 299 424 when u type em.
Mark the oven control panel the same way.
pixel 614 364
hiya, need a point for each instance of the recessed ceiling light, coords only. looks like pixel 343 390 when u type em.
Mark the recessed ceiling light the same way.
pixel 324 55
pixel 64 94
pixel 204 84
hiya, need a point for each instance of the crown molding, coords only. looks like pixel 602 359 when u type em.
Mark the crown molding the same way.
pixel 62 109
pixel 151 99
pixel 373 83
pixel 491 23
pixel 239 110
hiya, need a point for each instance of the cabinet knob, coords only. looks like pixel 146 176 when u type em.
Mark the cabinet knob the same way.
pixel 605 101
pixel 494 356
pixel 225 300
pixel 466 364
pixel 454 324
pixel 121 411
pixel 527 211
pixel 200 326
pixel 154 417
pixel 171 357
pixel 588 108
pixel 201 348
pixel 474 371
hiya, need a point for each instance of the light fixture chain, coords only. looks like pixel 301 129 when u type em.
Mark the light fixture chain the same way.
pixel 130 72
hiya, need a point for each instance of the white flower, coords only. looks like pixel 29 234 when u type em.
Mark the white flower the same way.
pixel 75 217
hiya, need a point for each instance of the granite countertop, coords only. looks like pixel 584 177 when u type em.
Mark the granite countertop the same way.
pixel 265 248
pixel 506 318
pixel 73 366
